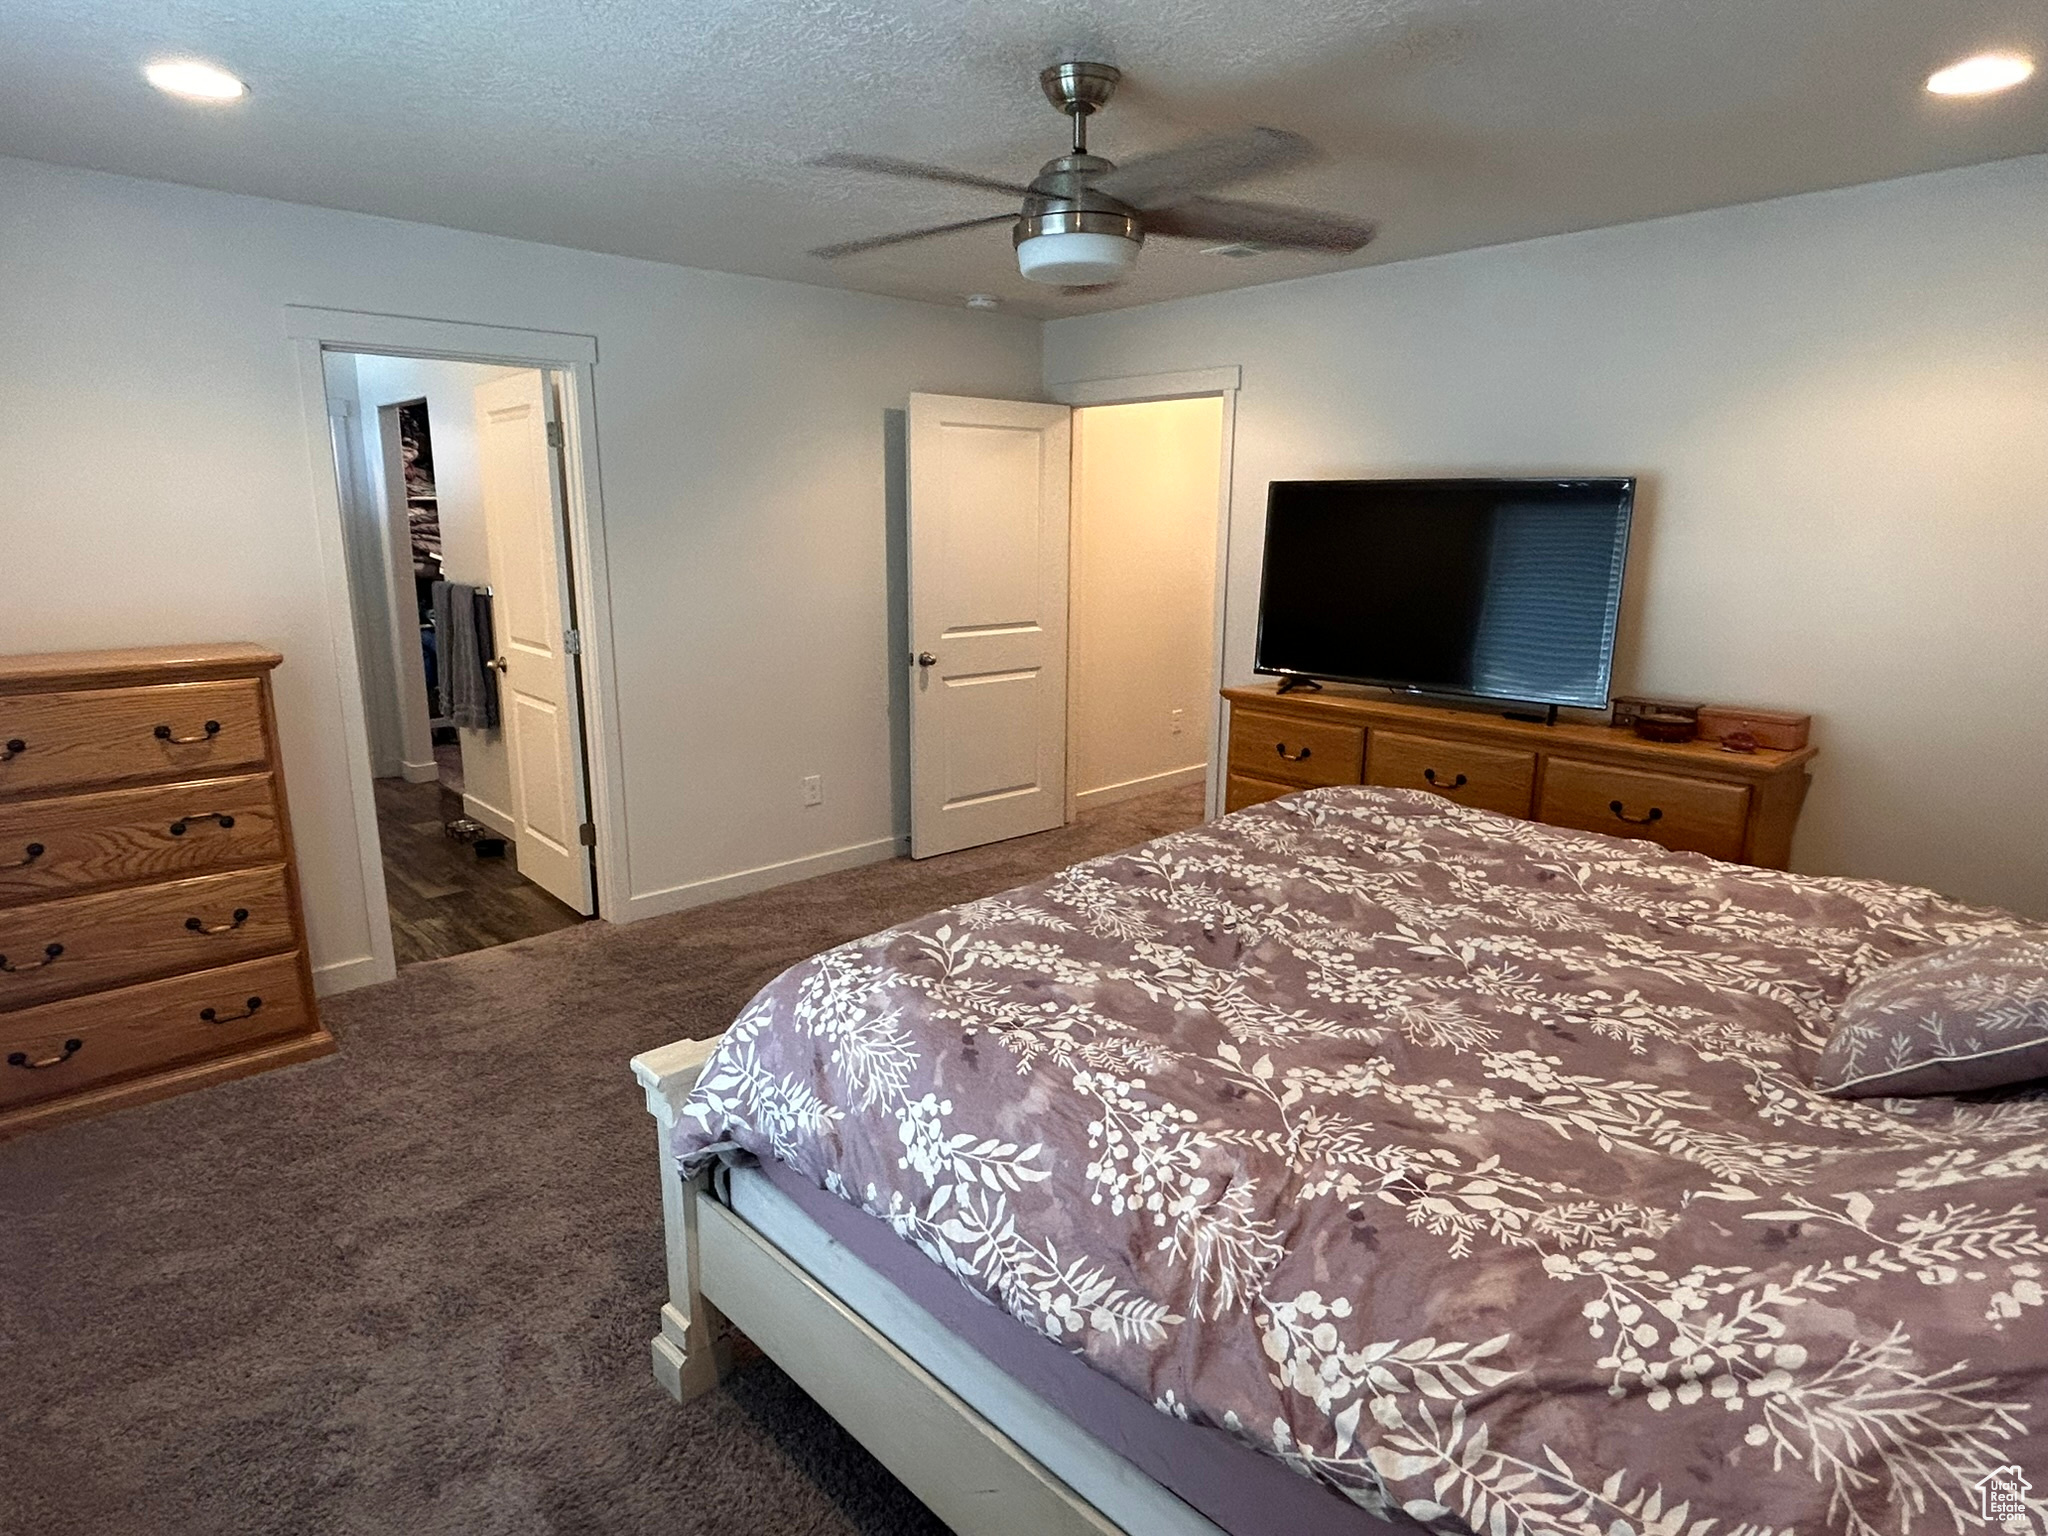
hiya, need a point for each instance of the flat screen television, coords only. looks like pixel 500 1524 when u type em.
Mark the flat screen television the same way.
pixel 1493 589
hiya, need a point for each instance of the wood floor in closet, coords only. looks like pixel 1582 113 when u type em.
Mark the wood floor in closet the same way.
pixel 444 899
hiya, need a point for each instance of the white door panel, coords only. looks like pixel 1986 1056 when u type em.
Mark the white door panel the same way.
pixel 538 728
pixel 988 606
pixel 992 746
pixel 522 495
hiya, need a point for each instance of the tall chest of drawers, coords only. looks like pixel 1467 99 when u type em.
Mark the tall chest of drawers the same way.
pixel 151 935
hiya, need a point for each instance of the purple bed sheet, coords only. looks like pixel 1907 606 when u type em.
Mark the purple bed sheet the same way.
pixel 1244 1491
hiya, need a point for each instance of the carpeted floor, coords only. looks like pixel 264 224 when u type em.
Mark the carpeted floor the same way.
pixel 409 1288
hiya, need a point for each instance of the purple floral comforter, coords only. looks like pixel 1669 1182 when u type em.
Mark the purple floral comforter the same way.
pixel 1468 1164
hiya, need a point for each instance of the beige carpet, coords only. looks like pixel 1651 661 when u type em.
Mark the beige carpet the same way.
pixel 409 1288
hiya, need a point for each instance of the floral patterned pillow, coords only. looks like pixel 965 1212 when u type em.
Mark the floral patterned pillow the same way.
pixel 1970 1016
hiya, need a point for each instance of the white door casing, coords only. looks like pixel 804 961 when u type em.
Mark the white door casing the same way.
pixel 989 485
pixel 538 700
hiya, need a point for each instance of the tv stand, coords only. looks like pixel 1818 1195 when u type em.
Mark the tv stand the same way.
pixel 1294 682
pixel 1531 717
pixel 1688 794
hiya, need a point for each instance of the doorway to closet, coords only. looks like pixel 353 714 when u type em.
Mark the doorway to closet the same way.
pixel 1065 607
pixel 1141 597
pixel 450 481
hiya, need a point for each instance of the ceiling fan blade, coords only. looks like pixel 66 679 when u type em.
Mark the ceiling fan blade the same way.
pixel 1293 229
pixel 1153 181
pixel 884 165
pixel 850 247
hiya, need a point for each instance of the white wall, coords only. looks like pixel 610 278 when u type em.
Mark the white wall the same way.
pixel 1141 606
pixel 160 488
pixel 450 392
pixel 1839 405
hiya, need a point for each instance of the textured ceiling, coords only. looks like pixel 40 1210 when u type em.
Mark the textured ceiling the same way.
pixel 677 129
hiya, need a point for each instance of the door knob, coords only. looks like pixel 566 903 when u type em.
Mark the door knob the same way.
pixel 927 659
pixel 497 664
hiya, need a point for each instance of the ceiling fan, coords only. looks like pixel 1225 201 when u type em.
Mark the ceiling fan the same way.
pixel 1084 218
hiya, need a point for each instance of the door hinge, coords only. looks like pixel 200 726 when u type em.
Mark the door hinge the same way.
pixel 554 434
pixel 572 642
pixel 587 834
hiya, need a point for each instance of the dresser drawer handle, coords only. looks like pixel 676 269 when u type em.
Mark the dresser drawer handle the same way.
pixel 178 827
pixel 1437 783
pixel 1656 814
pixel 20 1058
pixel 200 925
pixel 248 1010
pixel 51 952
pixel 29 855
pixel 1293 757
pixel 163 734
pixel 15 747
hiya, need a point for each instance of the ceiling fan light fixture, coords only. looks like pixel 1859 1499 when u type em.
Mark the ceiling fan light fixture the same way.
pixel 1070 238
pixel 1075 258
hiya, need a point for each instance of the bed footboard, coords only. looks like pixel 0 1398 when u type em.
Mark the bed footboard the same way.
pixel 967 1467
pixel 691 1353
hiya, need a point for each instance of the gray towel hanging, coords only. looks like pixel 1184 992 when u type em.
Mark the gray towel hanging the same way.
pixel 466 641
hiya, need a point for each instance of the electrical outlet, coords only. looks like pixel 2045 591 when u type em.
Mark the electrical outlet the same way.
pixel 814 790
pixel 1177 719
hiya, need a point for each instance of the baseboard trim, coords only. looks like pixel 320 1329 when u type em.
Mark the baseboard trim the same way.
pixel 345 975
pixel 1130 789
pixel 419 773
pixel 745 882
pixel 498 821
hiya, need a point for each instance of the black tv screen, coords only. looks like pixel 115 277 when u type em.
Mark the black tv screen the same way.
pixel 1498 589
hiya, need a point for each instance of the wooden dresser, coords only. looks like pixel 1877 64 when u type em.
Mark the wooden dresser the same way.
pixel 1688 795
pixel 151 938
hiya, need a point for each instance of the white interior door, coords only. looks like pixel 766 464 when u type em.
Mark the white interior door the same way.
pixel 988 620
pixel 522 496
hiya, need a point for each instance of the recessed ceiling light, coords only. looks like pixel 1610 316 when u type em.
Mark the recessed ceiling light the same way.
pixel 195 80
pixel 1981 75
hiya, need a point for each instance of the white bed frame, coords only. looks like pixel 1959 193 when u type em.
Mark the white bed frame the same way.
pixel 988 1456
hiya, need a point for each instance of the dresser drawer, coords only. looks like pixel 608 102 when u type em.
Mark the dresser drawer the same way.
pixel 122 836
pixel 117 937
pixel 1701 815
pixel 171 731
pixel 1299 752
pixel 1491 778
pixel 59 1048
pixel 1240 791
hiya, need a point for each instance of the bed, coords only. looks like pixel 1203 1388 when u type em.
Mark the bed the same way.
pixel 1362 1162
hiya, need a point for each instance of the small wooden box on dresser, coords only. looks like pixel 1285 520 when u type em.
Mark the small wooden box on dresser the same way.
pixel 1689 795
pixel 151 937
